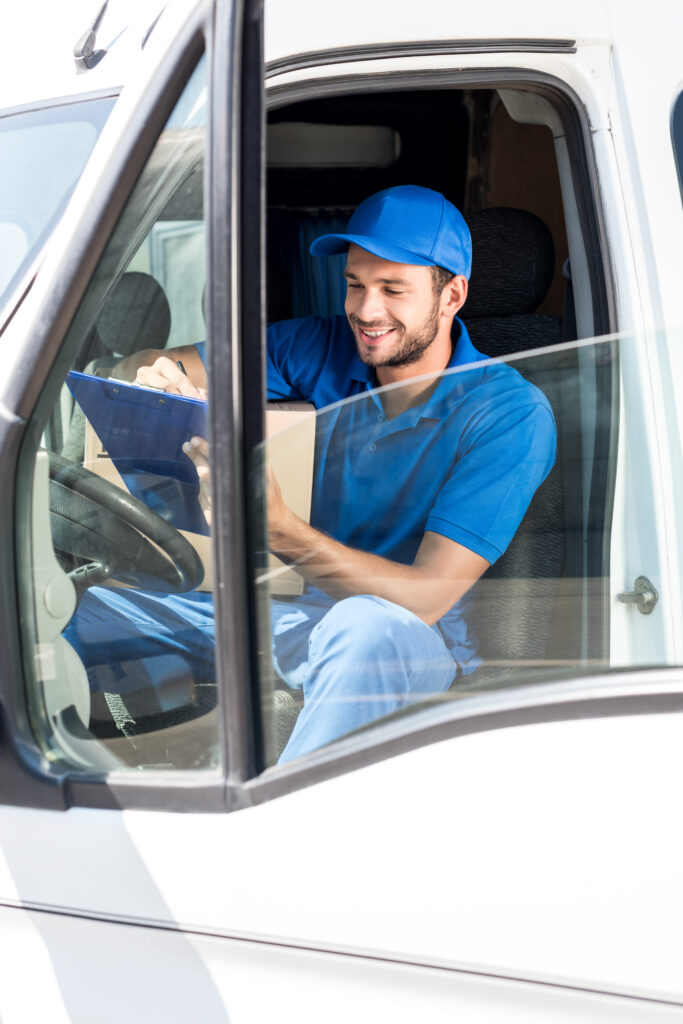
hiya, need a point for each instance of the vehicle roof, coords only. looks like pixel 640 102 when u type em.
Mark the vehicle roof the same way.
pixel 654 35
pixel 37 42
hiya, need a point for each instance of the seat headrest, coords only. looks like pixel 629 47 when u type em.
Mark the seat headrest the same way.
pixel 513 261
pixel 136 315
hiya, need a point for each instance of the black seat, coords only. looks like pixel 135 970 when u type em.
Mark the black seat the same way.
pixel 136 315
pixel 513 265
pixel 513 261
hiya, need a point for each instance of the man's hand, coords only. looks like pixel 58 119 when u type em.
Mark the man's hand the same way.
pixel 197 449
pixel 441 573
pixel 439 576
pixel 280 516
pixel 164 373
pixel 159 369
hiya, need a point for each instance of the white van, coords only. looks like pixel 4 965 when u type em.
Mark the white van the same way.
pixel 509 850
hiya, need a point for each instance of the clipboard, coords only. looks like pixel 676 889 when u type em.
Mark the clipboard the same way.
pixel 143 432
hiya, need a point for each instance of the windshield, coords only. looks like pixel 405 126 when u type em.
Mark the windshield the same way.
pixel 42 154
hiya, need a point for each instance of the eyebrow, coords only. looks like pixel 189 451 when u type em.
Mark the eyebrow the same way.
pixel 382 280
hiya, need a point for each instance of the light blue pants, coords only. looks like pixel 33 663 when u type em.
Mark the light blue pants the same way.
pixel 354 660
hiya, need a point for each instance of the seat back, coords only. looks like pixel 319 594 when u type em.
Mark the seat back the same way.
pixel 135 315
pixel 514 602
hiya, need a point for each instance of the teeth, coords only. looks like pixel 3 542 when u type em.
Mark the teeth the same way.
pixel 376 334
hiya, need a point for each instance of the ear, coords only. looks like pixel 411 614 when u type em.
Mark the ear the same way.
pixel 454 294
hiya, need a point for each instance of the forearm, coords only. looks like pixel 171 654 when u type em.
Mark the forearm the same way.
pixel 343 571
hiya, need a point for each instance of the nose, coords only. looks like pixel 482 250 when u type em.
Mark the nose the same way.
pixel 367 305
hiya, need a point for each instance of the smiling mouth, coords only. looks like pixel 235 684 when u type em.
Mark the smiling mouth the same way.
pixel 373 337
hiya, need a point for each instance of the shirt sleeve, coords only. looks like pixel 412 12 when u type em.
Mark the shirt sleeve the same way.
pixel 295 354
pixel 503 460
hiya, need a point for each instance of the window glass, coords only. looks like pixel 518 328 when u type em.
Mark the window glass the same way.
pixel 561 599
pixel 462 463
pixel 121 546
pixel 677 136
pixel 442 536
pixel 42 154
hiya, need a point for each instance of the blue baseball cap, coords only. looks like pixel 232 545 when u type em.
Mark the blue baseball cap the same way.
pixel 406 224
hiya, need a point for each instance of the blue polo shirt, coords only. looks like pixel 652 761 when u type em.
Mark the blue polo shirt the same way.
pixel 464 464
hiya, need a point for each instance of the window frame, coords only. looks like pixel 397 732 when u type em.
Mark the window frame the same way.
pixel 35 782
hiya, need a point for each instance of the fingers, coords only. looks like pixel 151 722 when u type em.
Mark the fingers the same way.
pixel 197 449
pixel 273 492
pixel 166 375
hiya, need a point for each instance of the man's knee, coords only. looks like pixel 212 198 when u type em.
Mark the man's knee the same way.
pixel 366 621
pixel 368 645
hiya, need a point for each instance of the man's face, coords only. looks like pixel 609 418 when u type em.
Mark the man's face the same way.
pixel 391 307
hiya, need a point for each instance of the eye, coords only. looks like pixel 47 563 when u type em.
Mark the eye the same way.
pixel 393 291
pixel 350 285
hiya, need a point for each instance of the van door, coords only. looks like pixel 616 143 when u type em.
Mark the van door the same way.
pixel 161 214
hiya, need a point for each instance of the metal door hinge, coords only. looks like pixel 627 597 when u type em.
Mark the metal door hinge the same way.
pixel 644 596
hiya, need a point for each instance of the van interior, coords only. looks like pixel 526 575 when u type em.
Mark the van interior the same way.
pixel 512 160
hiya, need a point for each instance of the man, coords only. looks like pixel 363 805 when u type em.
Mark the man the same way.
pixel 417 488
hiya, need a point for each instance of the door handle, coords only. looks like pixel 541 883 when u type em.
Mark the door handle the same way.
pixel 644 596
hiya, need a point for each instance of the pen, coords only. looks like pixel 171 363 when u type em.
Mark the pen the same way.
pixel 181 367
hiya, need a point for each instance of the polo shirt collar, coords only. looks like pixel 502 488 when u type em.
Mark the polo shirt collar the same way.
pixel 441 399
pixel 463 350
pixel 464 354
pixel 360 371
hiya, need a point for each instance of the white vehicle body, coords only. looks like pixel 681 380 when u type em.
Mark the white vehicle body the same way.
pixel 37 48
pixel 512 856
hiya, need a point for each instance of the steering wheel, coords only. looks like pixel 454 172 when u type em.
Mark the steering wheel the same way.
pixel 99 531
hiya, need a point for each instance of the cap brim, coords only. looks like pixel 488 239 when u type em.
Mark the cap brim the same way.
pixel 332 245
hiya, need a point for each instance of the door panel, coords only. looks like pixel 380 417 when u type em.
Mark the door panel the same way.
pixel 102 972
pixel 525 851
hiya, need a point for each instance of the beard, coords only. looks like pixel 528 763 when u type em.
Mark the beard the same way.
pixel 409 347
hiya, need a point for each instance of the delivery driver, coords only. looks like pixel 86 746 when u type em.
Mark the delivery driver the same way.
pixel 417 489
